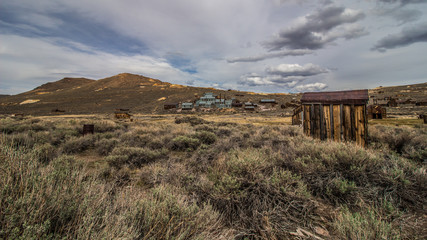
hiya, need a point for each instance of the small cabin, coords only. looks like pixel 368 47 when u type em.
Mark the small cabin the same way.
pixel 187 106
pixel 339 116
pixel 297 116
pixel 168 106
pixel 122 113
pixel 376 112
pixel 237 104
pixel 249 108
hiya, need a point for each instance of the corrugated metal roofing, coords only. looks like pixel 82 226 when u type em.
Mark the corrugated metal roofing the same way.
pixel 345 97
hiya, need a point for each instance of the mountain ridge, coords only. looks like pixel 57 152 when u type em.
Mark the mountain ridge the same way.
pixel 143 94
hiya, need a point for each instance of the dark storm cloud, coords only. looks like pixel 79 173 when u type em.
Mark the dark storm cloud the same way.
pixel 297 52
pixel 286 75
pixel 408 36
pixel 317 30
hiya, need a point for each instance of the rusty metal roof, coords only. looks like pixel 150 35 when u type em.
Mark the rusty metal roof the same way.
pixel 344 97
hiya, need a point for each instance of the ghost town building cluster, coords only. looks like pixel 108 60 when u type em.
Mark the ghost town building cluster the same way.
pixel 210 101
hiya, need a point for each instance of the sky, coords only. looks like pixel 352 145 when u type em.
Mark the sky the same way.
pixel 273 46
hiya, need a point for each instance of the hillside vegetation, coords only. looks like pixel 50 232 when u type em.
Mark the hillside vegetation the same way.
pixel 195 179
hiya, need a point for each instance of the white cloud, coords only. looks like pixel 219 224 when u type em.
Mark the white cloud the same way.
pixel 289 70
pixel 26 59
pixel 311 87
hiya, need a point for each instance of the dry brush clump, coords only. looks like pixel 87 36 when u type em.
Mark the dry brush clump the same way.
pixel 194 179
pixel 406 141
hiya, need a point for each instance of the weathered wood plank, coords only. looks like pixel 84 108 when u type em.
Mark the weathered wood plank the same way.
pixel 331 121
pixel 342 122
pixel 321 121
pixel 306 112
pixel 365 120
pixel 312 120
pixel 353 123
pixel 337 120
pixel 317 121
pixel 327 122
pixel 347 122
pixel 360 134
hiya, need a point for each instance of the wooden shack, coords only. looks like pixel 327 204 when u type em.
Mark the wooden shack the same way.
pixel 297 116
pixel 168 106
pixel 122 113
pixel 340 116
pixel 376 112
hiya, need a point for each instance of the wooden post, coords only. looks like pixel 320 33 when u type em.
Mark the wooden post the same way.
pixel 341 122
pixel 312 120
pixel 321 121
pixel 331 120
pixel 353 123
pixel 337 123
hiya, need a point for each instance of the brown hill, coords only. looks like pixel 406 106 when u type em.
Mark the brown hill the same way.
pixel 138 93
pixel 146 95
pixel 65 83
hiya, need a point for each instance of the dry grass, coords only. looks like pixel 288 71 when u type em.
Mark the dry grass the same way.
pixel 163 177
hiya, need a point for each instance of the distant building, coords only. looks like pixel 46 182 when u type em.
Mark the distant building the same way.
pixel 297 116
pixel 122 113
pixel 170 105
pixel 237 104
pixel 263 101
pixel 250 106
pixel 376 112
pixel 187 106
pixel 209 100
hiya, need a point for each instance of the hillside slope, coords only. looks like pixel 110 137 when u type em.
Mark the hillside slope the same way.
pixel 146 95
pixel 138 93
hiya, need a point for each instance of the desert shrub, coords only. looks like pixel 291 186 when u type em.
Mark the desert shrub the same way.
pixel 205 137
pixel 158 142
pixel 365 224
pixel 204 127
pixel 40 203
pixel 38 127
pixel 60 135
pixel 166 214
pixel 191 120
pixel 132 139
pixel 78 144
pixel 290 131
pixel 105 146
pixel 223 132
pixel 185 143
pixel 409 142
pixel 255 198
pixel 223 124
pixel 171 172
pixel 105 126
pixel 134 156
pixel 20 140
pixel 45 152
